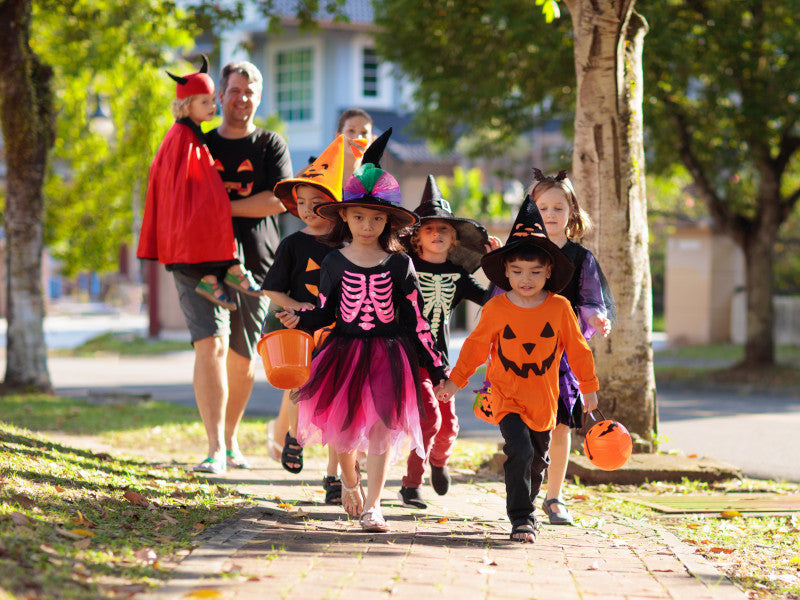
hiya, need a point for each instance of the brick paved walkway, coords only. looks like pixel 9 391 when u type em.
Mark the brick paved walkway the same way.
pixel 457 549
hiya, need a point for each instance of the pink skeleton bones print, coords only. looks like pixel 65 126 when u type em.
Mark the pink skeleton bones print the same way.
pixel 366 298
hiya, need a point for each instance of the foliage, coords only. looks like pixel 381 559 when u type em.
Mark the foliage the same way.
pixel 479 66
pixel 114 51
pixel 468 195
pixel 124 344
pixel 75 524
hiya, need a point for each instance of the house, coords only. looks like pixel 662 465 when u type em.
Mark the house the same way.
pixel 309 79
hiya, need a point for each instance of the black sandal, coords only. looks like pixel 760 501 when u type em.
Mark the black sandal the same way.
pixel 292 455
pixel 333 489
pixel 527 528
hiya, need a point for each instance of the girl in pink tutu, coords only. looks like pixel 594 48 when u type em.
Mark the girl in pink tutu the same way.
pixel 364 393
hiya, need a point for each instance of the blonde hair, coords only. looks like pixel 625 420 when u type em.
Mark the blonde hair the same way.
pixel 180 106
pixel 414 239
pixel 578 223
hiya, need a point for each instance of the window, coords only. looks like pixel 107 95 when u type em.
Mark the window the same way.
pixel 293 86
pixel 369 79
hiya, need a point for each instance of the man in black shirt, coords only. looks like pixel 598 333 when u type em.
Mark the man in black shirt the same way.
pixel 251 161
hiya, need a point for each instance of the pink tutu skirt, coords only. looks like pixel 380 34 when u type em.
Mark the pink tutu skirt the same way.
pixel 363 395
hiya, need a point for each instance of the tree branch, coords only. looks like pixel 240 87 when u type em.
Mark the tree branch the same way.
pixel 715 204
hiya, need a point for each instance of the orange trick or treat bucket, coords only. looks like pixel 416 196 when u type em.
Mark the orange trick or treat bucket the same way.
pixel 286 354
pixel 607 444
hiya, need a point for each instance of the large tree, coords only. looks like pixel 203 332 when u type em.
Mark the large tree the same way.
pixel 724 100
pixel 26 110
pixel 79 50
pixel 484 67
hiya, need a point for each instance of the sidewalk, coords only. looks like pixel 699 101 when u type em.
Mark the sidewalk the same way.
pixel 291 545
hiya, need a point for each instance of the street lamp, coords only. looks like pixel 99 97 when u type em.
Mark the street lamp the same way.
pixel 99 122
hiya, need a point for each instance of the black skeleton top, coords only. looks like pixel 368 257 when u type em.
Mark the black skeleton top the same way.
pixel 380 301
pixel 443 286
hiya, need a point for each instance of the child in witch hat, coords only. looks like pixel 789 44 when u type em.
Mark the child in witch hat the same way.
pixel 364 389
pixel 187 214
pixel 446 250
pixel 526 331
pixel 293 280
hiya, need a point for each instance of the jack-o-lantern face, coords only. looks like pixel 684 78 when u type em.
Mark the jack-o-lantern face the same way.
pixel 515 354
pixel 240 183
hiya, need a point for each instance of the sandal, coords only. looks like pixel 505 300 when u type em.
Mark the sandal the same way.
pixel 556 518
pixel 372 521
pixel 353 497
pixel 292 454
pixel 333 489
pixel 525 532
pixel 236 460
pixel 214 293
pixel 211 465
pixel 243 282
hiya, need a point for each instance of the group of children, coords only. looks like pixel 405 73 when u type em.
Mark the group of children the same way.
pixel 376 284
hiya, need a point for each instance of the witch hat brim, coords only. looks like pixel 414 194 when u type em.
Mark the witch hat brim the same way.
pixel 472 236
pixel 528 230
pixel 324 173
pixel 372 187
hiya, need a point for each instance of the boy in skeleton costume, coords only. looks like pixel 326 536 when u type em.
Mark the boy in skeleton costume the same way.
pixel 446 250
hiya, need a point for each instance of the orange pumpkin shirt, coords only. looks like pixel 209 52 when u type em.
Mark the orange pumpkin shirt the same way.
pixel 525 346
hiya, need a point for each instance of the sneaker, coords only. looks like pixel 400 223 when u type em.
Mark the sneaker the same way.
pixel 440 479
pixel 412 498
pixel 212 466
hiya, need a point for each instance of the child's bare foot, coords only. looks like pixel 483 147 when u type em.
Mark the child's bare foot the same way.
pixel 353 496
pixel 209 288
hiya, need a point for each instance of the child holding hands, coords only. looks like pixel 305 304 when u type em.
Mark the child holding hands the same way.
pixel 446 250
pixel 187 214
pixel 363 392
pixel 525 330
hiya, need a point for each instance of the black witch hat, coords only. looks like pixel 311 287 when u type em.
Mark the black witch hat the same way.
pixel 472 236
pixel 528 230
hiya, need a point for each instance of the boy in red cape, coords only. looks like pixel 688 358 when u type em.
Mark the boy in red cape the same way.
pixel 187 215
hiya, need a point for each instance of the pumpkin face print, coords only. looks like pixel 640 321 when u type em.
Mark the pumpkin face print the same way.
pixel 242 182
pixel 519 356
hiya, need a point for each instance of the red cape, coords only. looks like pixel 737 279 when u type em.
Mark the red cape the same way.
pixel 187 213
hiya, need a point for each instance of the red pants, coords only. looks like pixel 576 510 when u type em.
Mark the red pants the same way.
pixel 439 431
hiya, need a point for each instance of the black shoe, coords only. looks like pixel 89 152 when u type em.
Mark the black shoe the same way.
pixel 412 498
pixel 440 479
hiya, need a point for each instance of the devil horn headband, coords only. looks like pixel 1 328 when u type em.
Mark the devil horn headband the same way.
pixel 180 80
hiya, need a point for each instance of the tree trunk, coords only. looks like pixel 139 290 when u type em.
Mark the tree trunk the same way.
pixel 758 244
pixel 27 121
pixel 608 165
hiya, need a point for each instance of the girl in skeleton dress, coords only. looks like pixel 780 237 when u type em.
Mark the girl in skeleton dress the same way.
pixel 446 250
pixel 364 391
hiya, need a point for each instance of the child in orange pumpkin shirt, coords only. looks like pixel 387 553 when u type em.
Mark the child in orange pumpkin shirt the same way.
pixel 526 331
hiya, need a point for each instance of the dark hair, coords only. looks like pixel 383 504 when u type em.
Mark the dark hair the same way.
pixel 248 69
pixel 349 114
pixel 341 233
pixel 529 253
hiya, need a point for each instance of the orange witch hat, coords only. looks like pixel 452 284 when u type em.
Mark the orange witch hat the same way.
pixel 325 173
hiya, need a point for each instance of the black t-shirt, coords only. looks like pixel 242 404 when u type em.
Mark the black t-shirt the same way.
pixel 250 165
pixel 296 269
pixel 443 286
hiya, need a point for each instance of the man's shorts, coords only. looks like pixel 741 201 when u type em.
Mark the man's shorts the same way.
pixel 205 319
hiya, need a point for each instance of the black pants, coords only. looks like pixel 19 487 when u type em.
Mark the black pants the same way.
pixel 526 462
